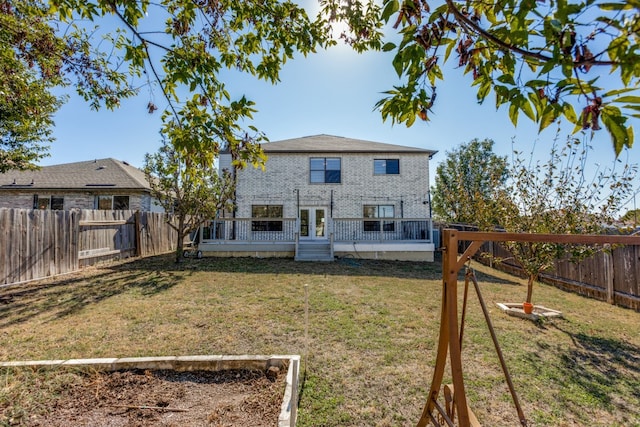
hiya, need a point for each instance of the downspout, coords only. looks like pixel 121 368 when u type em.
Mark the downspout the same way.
pixel 331 206
pixel 234 212
pixel 296 234
pixel 430 216
pixel 330 226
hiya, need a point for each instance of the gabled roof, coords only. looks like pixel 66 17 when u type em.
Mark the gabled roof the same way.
pixel 93 174
pixel 337 144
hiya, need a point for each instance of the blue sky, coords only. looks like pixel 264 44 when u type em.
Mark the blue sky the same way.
pixel 332 92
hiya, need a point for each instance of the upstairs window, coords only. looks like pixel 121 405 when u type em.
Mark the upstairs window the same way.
pixel 378 211
pixel 266 211
pixel 325 170
pixel 386 167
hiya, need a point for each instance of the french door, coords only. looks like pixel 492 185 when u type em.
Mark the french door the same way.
pixel 313 223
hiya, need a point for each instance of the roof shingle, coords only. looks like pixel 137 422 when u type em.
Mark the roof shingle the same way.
pixel 337 144
pixel 109 172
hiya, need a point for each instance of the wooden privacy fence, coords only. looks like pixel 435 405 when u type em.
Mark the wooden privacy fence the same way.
pixel 43 243
pixel 612 276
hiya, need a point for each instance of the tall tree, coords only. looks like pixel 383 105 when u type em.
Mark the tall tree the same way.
pixel 558 197
pixel 26 114
pixel 546 59
pixel 192 194
pixel 34 59
pixel 178 50
pixel 631 217
pixel 466 181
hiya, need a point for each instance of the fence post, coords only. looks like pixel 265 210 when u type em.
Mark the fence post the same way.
pixel 136 222
pixel 609 276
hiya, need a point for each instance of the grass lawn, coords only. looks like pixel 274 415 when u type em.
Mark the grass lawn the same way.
pixel 372 336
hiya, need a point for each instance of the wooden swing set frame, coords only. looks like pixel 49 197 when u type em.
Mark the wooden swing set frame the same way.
pixel 451 330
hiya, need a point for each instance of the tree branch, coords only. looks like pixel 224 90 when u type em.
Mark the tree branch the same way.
pixel 473 27
pixel 145 44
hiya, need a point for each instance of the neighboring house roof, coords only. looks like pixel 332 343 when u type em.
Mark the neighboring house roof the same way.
pixel 337 144
pixel 93 174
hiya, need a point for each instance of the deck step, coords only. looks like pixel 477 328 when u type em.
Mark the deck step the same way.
pixel 314 251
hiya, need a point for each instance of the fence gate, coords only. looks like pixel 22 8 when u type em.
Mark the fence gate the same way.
pixel 108 235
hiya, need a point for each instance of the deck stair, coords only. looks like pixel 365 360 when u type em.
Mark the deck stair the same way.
pixel 314 251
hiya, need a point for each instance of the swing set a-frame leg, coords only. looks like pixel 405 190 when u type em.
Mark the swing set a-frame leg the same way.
pixel 449 344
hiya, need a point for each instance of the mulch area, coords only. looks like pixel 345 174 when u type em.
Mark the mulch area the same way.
pixel 167 398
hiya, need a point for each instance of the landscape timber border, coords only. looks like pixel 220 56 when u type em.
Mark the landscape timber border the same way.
pixel 288 409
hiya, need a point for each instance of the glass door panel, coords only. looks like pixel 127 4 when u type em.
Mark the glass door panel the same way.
pixel 320 223
pixel 304 223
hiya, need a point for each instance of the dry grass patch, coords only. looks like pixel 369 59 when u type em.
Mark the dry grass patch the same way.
pixel 372 337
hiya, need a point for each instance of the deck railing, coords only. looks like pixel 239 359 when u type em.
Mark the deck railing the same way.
pixel 250 230
pixel 382 229
pixel 340 230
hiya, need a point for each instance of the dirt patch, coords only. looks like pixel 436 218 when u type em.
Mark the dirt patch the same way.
pixel 167 398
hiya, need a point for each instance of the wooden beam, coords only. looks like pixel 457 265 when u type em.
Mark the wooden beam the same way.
pixel 470 252
pixel 98 223
pixel 586 239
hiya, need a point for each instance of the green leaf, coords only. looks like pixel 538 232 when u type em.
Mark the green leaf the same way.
pixel 548 116
pixel 618 91
pixel 526 108
pixel 614 122
pixel 484 89
pixel 388 47
pixel 513 113
pixel 615 6
pixel 391 7
pixel 547 67
pixel 537 103
pixel 567 69
pixel 631 99
pixel 450 45
pixel 577 128
pixel 507 78
pixel 569 113
pixel 537 83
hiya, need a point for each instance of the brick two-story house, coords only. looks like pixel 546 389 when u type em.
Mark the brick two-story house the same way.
pixel 324 196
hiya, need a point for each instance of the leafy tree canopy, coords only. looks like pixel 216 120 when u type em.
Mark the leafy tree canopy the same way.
pixel 193 194
pixel 476 187
pixel 631 217
pixel 466 181
pixel 26 105
pixel 546 59
pixel 557 197
pixel 175 50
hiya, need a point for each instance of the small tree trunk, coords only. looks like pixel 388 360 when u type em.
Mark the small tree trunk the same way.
pixel 180 246
pixel 532 278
